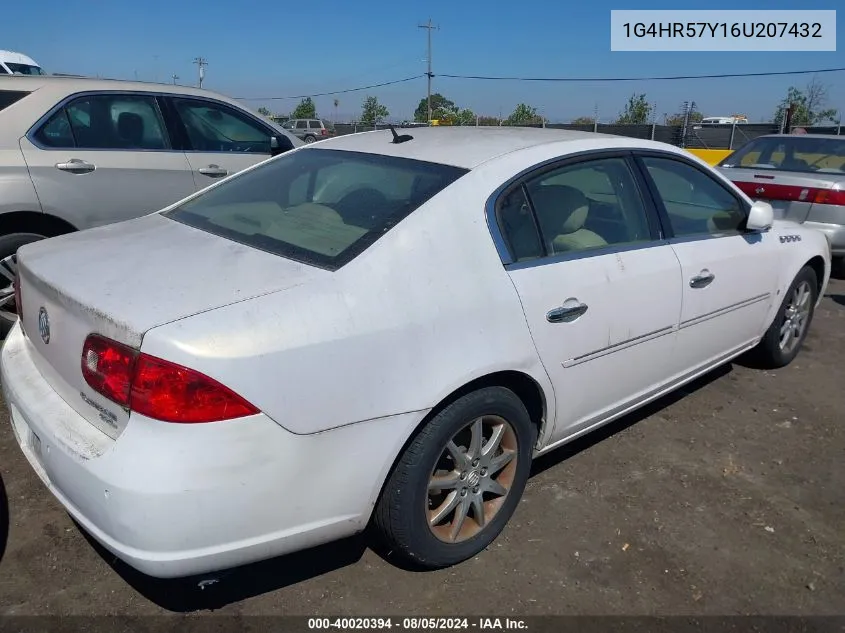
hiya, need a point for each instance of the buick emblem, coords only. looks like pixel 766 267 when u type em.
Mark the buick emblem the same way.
pixel 44 325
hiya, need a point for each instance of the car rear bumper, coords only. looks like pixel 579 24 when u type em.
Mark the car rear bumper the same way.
pixel 835 234
pixel 178 499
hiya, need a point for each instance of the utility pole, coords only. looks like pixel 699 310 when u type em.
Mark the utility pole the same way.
pixel 201 63
pixel 429 26
pixel 175 77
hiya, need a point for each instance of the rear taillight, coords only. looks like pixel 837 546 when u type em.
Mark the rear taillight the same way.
pixel 108 367
pixel 157 388
pixel 830 196
pixel 768 191
pixel 324 132
pixel 170 392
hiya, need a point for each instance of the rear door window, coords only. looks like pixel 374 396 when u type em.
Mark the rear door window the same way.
pixel 320 207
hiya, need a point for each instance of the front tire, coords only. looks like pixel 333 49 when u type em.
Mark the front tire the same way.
pixel 459 480
pixel 782 341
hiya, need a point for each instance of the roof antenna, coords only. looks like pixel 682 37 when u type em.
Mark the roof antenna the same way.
pixel 400 138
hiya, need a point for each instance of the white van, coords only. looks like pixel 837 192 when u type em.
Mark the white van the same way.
pixel 12 63
pixel 724 120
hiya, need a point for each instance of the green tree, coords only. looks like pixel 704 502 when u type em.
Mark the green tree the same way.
pixel 305 110
pixel 584 120
pixel 441 108
pixel 637 111
pixel 264 112
pixel 809 105
pixel 524 114
pixel 465 117
pixel 372 111
pixel 677 119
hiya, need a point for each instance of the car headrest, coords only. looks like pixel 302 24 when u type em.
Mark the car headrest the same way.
pixel 563 208
pixel 130 126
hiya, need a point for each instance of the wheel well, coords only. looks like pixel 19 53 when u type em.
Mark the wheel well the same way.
pixel 817 264
pixel 525 388
pixel 34 222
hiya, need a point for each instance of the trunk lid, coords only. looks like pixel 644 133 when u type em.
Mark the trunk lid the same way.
pixel 790 193
pixel 123 279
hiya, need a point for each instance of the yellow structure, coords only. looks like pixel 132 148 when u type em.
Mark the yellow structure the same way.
pixel 711 156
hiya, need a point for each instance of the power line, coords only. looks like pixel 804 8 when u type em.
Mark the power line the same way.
pixel 669 78
pixel 548 79
pixel 335 92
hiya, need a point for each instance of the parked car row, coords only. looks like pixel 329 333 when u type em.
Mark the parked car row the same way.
pixel 79 153
pixel 380 329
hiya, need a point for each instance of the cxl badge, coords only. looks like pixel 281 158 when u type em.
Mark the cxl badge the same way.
pixel 44 325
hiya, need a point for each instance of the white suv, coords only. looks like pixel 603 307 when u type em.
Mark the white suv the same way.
pixel 78 153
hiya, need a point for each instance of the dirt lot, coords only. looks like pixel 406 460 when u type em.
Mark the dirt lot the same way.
pixel 727 498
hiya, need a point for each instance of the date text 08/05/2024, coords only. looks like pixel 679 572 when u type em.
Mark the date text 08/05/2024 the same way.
pixel 418 624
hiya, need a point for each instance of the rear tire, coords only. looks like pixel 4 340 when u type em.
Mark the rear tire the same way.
pixel 458 481
pixel 310 139
pixel 9 245
pixel 784 338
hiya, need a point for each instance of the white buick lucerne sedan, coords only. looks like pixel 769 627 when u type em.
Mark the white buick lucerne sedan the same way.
pixel 383 330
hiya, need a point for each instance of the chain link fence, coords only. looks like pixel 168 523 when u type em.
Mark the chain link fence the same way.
pixel 695 136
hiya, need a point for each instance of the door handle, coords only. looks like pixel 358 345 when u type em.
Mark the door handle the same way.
pixel 702 279
pixel 76 166
pixel 566 313
pixel 213 171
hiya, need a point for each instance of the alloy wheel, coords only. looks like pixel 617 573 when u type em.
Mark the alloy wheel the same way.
pixel 8 310
pixel 471 479
pixel 795 317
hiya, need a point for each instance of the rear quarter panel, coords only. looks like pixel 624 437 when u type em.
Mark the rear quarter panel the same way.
pixel 427 309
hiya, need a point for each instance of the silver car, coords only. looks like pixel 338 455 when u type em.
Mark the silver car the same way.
pixel 309 130
pixel 77 153
pixel 802 176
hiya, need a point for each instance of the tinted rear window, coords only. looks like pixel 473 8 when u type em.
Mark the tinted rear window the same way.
pixel 24 69
pixel 317 206
pixel 805 154
pixel 8 97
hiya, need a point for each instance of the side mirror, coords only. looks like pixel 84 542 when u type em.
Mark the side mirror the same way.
pixel 760 217
pixel 279 144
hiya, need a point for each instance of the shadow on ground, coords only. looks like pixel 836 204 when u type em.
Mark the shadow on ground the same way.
pixel 838 299
pixel 193 594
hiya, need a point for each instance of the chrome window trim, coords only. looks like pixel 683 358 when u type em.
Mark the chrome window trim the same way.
pixel 610 249
pixel 537 170
pixel 31 131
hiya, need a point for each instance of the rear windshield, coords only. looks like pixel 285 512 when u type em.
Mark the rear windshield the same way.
pixel 805 154
pixel 8 97
pixel 318 206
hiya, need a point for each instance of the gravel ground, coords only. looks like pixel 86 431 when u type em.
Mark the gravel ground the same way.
pixel 725 498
